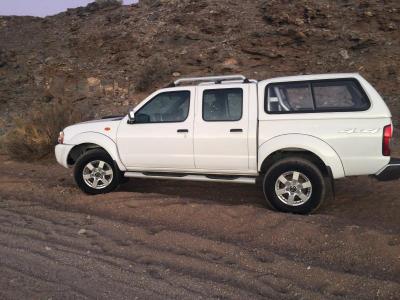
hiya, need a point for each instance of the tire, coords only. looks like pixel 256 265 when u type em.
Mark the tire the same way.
pixel 294 185
pixel 96 166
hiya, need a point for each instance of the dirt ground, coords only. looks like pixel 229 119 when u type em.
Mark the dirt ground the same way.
pixel 166 239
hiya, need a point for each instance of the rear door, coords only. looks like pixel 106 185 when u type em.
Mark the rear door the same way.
pixel 221 128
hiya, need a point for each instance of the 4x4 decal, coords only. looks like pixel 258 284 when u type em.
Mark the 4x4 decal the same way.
pixel 356 130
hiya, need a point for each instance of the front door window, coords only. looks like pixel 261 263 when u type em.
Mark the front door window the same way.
pixel 165 108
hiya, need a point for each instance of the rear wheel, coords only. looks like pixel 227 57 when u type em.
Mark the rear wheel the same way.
pixel 95 172
pixel 294 185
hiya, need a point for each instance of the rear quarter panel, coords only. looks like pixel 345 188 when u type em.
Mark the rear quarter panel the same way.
pixel 357 142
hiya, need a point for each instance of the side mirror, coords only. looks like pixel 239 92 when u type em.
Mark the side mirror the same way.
pixel 131 117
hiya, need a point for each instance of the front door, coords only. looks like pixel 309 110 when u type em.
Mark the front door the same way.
pixel 162 135
pixel 221 128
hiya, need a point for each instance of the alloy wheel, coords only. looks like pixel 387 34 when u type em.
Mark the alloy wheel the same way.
pixel 98 174
pixel 293 188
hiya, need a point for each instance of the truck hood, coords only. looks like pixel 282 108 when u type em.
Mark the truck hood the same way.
pixel 106 126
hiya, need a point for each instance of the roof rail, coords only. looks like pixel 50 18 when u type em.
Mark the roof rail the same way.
pixel 215 79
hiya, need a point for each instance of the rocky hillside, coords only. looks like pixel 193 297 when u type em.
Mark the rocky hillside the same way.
pixel 110 57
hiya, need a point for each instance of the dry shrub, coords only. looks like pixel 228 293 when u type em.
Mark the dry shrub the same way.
pixel 34 135
pixel 154 72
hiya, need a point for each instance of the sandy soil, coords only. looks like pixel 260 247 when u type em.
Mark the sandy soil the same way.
pixel 160 239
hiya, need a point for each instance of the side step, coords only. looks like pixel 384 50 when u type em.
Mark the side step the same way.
pixel 192 177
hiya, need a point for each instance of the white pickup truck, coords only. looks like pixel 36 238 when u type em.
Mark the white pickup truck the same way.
pixel 292 134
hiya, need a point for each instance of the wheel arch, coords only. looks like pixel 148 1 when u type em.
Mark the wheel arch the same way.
pixel 312 148
pixel 90 140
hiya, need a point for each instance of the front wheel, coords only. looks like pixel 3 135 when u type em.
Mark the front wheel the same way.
pixel 294 185
pixel 95 173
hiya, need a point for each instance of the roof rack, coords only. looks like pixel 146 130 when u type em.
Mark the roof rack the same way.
pixel 215 79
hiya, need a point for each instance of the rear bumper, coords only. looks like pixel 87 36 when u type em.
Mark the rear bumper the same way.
pixel 62 152
pixel 390 172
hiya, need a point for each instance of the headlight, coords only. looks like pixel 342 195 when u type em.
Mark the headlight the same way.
pixel 61 137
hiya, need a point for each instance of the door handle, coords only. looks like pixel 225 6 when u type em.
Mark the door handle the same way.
pixel 182 130
pixel 236 130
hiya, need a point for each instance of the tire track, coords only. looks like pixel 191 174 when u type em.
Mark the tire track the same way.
pixel 170 246
pixel 290 253
pixel 194 272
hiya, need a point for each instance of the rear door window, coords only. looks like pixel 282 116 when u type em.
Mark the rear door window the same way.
pixel 222 104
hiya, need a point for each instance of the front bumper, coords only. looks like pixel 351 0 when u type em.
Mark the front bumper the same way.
pixel 62 152
pixel 390 172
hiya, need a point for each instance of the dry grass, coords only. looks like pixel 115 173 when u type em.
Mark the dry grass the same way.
pixel 35 134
